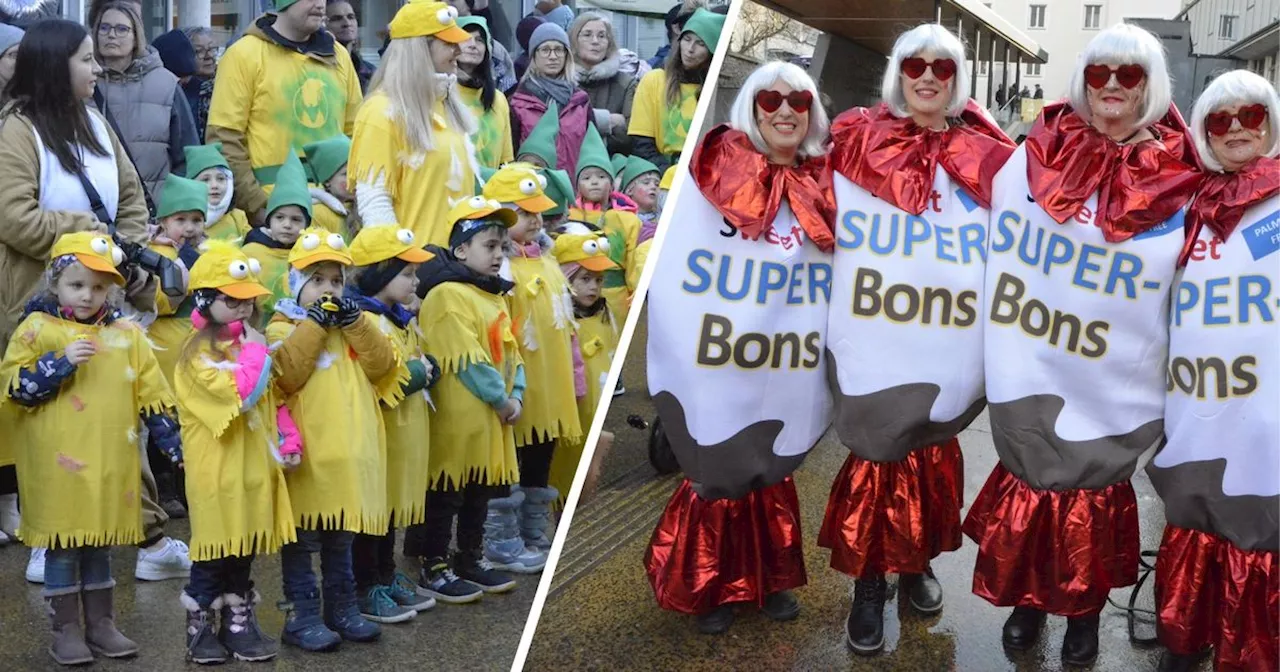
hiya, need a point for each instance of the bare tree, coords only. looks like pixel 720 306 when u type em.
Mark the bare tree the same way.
pixel 757 24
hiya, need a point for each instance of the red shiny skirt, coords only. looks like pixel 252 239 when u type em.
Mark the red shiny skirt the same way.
pixel 1057 551
pixel 1210 593
pixel 705 553
pixel 894 517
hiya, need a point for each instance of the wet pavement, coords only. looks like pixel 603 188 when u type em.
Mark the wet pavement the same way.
pixel 479 636
pixel 600 613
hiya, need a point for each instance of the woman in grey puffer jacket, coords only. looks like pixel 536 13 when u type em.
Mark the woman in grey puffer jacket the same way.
pixel 143 98
pixel 598 66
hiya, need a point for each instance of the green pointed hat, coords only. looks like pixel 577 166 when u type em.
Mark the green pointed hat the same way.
pixel 636 166
pixel 327 157
pixel 465 21
pixel 203 157
pixel 593 153
pixel 619 162
pixel 291 187
pixel 560 190
pixel 707 26
pixel 542 139
pixel 182 195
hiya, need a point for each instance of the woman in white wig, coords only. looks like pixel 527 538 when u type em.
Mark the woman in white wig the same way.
pixel 1218 571
pixel 913 176
pixel 1085 231
pixel 743 283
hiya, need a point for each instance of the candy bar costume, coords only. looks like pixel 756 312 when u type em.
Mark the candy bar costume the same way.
pixel 752 260
pixel 913 206
pixel 1219 562
pixel 1083 246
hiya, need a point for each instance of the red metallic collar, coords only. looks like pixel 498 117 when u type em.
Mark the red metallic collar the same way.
pixel 1223 197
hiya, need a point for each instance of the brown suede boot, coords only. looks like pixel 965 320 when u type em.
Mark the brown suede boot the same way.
pixel 68 646
pixel 100 625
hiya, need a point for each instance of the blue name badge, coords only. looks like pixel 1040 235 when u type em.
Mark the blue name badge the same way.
pixel 1168 226
pixel 1263 237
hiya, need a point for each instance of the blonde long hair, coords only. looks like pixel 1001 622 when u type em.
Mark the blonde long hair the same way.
pixel 408 79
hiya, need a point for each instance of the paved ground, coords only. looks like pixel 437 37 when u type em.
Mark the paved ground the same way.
pixel 601 615
pixel 480 636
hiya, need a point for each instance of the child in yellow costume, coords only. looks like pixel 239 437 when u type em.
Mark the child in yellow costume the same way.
pixel 333 365
pixel 387 259
pixel 584 259
pixel 239 504
pixel 205 163
pixel 332 203
pixel 543 321
pixel 288 213
pixel 641 181
pixel 83 376
pixel 610 212
pixel 466 324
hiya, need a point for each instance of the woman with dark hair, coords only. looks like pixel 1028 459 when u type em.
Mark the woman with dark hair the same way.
pixel 666 99
pixel 478 88
pixel 144 99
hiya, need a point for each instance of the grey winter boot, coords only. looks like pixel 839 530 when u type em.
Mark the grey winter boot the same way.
pixel 503 545
pixel 68 646
pixel 535 516
pixel 100 624
pixel 240 632
pixel 203 647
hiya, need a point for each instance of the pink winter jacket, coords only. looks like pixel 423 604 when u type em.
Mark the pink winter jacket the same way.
pixel 527 109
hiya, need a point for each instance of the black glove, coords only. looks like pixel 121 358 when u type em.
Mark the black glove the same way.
pixel 320 316
pixel 348 312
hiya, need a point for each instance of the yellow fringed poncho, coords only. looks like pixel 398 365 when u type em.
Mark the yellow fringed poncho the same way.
pixel 326 377
pixel 169 330
pixel 231 227
pixel 236 492
pixel 462 324
pixel 598 340
pixel 78 458
pixel 543 324
pixel 623 231
pixel 408 425
pixel 274 275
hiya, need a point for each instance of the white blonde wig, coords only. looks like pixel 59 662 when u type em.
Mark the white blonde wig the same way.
pixel 922 38
pixel 409 80
pixel 1238 87
pixel 742 116
pixel 1123 44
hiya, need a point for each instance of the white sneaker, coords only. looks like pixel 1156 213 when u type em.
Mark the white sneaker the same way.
pixel 9 517
pixel 35 566
pixel 172 561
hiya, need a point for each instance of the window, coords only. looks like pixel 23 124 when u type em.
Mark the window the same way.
pixel 1092 17
pixel 1227 27
pixel 1033 69
pixel 982 68
pixel 1037 17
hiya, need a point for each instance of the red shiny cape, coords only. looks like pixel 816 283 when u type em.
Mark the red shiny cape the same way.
pixel 1223 197
pixel 1057 551
pixel 1210 593
pixel 705 553
pixel 748 190
pixel 1139 185
pixel 894 517
pixel 895 159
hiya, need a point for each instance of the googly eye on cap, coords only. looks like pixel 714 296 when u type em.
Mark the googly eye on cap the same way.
pixel 117 256
pixel 238 270
pixel 604 244
pixel 405 236
pixel 255 266
pixel 542 180
pixel 528 187
pixel 100 245
pixel 310 241
pixel 336 242
pixel 590 246
pixel 476 202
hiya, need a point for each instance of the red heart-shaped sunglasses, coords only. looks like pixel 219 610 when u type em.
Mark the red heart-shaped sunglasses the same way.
pixel 943 68
pixel 770 100
pixel 1250 116
pixel 1129 76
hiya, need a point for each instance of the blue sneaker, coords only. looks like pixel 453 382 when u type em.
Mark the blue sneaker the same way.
pixel 304 628
pixel 405 592
pixel 342 615
pixel 377 605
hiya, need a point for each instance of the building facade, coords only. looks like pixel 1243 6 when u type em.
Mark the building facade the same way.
pixel 1246 30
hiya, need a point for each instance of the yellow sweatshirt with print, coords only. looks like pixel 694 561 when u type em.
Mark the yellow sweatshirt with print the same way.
pixel 652 117
pixel 408 424
pixel 492 140
pixel 542 314
pixel 77 455
pixel 231 227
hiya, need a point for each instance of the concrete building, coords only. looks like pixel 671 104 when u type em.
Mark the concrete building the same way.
pixel 1245 30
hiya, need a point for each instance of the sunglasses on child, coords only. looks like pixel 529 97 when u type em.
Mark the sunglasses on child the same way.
pixel 943 68
pixel 1250 116
pixel 1129 76
pixel 232 303
pixel 770 100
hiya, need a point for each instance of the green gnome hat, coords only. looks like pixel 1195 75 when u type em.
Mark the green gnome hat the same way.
pixel 465 21
pixel 282 5
pixel 619 162
pixel 542 139
pixel 182 195
pixel 636 166
pixel 560 190
pixel 291 187
pixel 203 157
pixel 327 157
pixel 593 153
pixel 707 25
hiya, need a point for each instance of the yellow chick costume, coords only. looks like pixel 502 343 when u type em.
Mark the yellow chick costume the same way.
pixel 238 499
pixel 406 418
pixel 542 316
pixel 77 455
pixel 423 185
pixel 597 339
pixel 230 227
pixel 463 325
pixel 172 324
pixel 623 230
pixel 332 380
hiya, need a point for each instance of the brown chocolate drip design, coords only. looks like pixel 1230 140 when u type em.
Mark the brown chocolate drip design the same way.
pixel 1193 499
